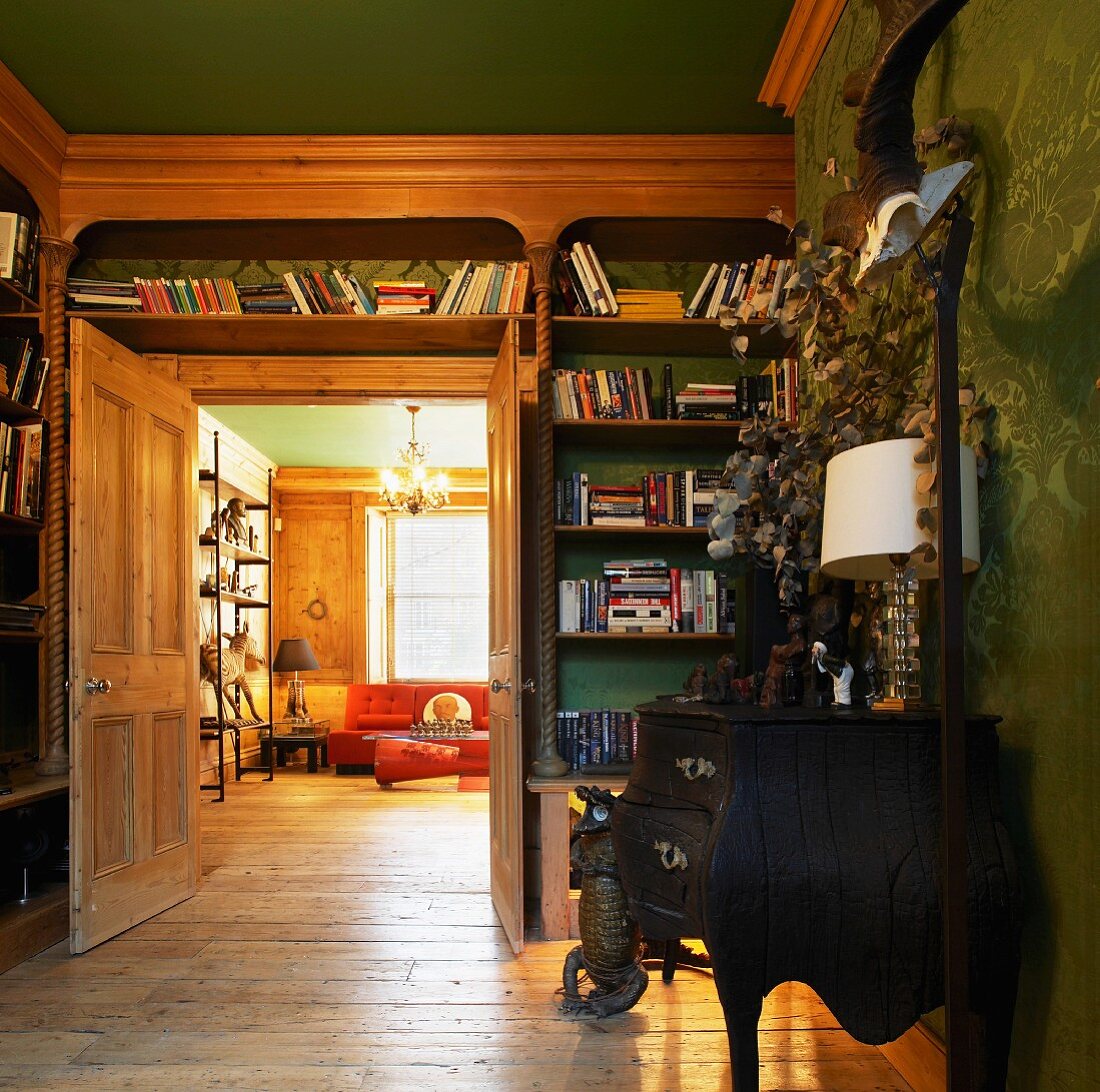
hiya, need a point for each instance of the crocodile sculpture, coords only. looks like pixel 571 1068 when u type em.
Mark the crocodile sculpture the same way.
pixel 610 951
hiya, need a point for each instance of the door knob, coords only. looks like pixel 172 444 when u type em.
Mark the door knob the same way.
pixel 529 686
pixel 496 686
pixel 98 686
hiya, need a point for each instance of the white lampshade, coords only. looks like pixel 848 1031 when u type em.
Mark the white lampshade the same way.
pixel 871 504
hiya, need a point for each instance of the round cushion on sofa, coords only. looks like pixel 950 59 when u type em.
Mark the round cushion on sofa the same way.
pixel 446 705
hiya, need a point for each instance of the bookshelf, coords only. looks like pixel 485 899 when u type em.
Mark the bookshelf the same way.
pixel 619 670
pixel 39 803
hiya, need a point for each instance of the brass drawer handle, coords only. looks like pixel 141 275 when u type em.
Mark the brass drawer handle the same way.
pixel 678 859
pixel 696 767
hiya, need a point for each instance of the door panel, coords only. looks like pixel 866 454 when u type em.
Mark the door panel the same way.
pixel 505 750
pixel 134 795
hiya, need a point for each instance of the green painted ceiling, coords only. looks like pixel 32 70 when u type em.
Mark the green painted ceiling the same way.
pixel 357 435
pixel 414 66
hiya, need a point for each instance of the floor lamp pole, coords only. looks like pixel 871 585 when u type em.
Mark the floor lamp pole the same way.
pixel 962 1042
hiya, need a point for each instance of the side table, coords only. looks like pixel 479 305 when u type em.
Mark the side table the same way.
pixel 291 734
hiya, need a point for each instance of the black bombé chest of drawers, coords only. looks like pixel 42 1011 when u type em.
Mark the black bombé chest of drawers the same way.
pixel 803 845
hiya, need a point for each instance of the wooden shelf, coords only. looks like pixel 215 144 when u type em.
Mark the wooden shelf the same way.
pixel 317 335
pixel 17 635
pixel 28 788
pixel 16 413
pixel 232 597
pixel 569 530
pixel 645 636
pixel 19 525
pixel 235 552
pixel 616 432
pixel 662 337
pixel 15 303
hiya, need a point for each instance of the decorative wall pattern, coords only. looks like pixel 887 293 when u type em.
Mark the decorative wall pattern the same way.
pixel 1027 77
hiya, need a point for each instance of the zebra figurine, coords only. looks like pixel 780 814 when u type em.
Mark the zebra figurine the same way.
pixel 242 655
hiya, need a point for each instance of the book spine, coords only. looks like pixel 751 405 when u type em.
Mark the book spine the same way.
pixel 670 397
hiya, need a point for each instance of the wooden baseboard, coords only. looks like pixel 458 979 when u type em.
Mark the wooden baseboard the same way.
pixel 919 1057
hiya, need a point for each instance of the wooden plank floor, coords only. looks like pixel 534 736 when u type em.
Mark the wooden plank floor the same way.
pixel 343 938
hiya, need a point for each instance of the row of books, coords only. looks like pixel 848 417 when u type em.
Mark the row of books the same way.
pixel 22 477
pixel 649 304
pixel 664 498
pixel 593 393
pixel 726 285
pixel 584 284
pixel 19 250
pixel 497 288
pixel 26 369
pixel 772 393
pixel 597 737
pixel 646 596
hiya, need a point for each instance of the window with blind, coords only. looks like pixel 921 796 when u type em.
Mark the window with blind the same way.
pixel 437 597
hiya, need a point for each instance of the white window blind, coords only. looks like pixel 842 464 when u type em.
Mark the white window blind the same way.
pixel 437 599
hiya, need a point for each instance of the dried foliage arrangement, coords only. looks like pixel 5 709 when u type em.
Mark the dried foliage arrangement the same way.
pixel 869 355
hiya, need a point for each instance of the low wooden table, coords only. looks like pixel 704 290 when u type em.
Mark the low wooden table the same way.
pixel 290 735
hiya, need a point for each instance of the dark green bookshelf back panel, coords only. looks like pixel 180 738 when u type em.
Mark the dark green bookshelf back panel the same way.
pixel 18 698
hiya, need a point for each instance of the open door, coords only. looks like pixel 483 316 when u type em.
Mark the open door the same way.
pixel 505 750
pixel 134 739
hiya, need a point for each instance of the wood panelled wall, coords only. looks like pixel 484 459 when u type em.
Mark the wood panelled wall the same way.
pixel 321 558
pixel 244 474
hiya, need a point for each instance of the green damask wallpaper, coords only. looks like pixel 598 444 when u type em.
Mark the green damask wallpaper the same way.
pixel 1027 76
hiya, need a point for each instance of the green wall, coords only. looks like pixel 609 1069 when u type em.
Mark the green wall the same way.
pixel 1026 75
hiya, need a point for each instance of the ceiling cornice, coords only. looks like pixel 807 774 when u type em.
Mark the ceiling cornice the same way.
pixel 537 183
pixel 32 146
pixel 805 37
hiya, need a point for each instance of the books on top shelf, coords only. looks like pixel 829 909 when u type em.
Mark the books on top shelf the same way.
pixel 327 292
pixel 646 596
pixel 597 737
pixel 19 250
pixel 589 394
pixel 772 393
pixel 27 369
pixel 495 288
pixel 22 469
pixel 663 498
pixel 85 294
pixel 724 285
pixel 21 616
pixel 583 283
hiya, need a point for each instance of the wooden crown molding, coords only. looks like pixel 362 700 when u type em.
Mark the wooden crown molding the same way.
pixel 805 37
pixel 32 146
pixel 255 380
pixel 536 183
pixel 468 486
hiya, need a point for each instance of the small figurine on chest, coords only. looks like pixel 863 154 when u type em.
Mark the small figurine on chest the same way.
pixel 782 657
pixel 824 629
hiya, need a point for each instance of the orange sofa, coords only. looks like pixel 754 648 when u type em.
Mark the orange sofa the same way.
pixel 391 709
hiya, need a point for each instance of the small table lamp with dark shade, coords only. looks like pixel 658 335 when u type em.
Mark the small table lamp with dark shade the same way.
pixel 870 530
pixel 295 655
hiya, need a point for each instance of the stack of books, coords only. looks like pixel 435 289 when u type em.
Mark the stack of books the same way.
pixel 404 297
pixel 708 402
pixel 726 285
pixel 497 288
pixel 22 477
pixel 188 295
pixel 327 293
pixel 26 368
pixel 274 298
pixel 597 737
pixel 639 596
pixel 588 394
pixel 85 294
pixel 645 303
pixel 583 283
pixel 19 250
pixel 20 615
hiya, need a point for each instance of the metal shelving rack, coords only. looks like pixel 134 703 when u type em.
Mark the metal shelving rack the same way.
pixel 221 596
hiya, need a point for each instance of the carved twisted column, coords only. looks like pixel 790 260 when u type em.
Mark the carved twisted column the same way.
pixel 548 763
pixel 57 255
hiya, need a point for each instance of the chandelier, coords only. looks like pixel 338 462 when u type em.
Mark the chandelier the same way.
pixel 407 487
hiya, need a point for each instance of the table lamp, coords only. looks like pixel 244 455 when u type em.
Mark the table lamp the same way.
pixel 870 530
pixel 295 655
